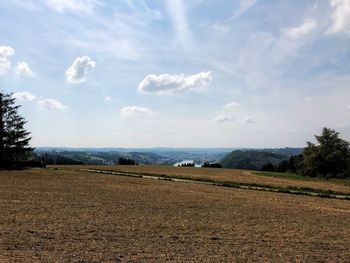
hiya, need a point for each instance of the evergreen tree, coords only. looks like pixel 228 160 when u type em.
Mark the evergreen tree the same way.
pixel 14 139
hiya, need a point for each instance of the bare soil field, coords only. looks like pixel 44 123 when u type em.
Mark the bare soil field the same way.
pixel 75 216
pixel 229 175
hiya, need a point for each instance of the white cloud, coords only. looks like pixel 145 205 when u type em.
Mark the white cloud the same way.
pixel 135 110
pixel 224 118
pixel 5 63
pixel 348 107
pixel 231 105
pixel 23 70
pixel 296 32
pixel 249 121
pixel 24 96
pixel 86 6
pixel 52 105
pixel 340 16
pixel 168 84
pixel 244 6
pixel 6 51
pixel 77 72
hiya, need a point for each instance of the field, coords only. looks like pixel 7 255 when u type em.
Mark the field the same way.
pixel 64 214
pixel 227 175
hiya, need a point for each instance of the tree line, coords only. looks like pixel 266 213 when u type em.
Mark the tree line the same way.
pixel 328 158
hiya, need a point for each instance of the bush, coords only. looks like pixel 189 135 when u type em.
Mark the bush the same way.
pixel 21 164
pixel 126 161
pixel 267 167
pixel 212 165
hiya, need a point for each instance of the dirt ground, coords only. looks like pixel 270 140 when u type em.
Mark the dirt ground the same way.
pixel 230 175
pixel 72 216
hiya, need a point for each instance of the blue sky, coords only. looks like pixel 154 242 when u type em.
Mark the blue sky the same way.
pixel 176 73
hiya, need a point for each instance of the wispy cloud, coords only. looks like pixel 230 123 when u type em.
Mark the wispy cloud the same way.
pixel 220 27
pixel 249 121
pixel 231 105
pixel 244 6
pixel 108 99
pixel 24 96
pixel 170 84
pixel 135 111
pixel 340 17
pixel 86 6
pixel 302 30
pixel 177 11
pixel 224 118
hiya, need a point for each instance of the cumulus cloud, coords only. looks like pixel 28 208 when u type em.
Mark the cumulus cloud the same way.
pixel 340 16
pixel 23 70
pixel 86 6
pixel 78 71
pixel 24 96
pixel 224 118
pixel 52 105
pixel 169 84
pixel 5 63
pixel 249 121
pixel 135 110
pixel 296 32
pixel 231 105
pixel 6 51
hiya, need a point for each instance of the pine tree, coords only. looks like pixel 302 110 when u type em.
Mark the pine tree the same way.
pixel 14 139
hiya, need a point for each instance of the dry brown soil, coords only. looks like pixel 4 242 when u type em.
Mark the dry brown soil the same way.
pixel 229 175
pixel 75 216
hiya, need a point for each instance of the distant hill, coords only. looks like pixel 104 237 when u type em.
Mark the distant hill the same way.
pixel 154 156
pixel 168 156
pixel 101 158
pixel 284 151
pixel 256 159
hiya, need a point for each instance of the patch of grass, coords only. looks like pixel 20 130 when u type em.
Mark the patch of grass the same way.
pixel 293 176
pixel 286 175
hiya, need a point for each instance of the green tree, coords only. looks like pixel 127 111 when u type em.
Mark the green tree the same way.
pixel 14 139
pixel 327 159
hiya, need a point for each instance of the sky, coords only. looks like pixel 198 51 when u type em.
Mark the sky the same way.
pixel 176 73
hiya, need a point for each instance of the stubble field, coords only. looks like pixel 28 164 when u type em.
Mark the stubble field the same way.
pixel 68 215
pixel 224 175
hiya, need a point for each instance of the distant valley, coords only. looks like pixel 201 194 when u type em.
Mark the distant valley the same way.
pixel 229 157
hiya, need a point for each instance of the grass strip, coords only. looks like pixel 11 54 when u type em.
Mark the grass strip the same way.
pixel 293 176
